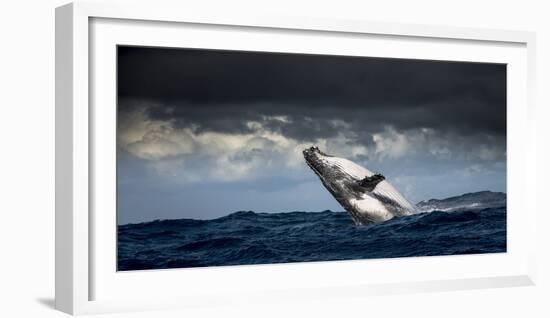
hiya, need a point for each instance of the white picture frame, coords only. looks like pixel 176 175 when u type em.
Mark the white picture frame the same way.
pixel 85 280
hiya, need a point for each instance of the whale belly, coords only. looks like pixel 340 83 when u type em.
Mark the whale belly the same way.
pixel 370 210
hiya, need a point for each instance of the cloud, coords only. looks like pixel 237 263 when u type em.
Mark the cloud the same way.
pixel 390 143
pixel 223 90
pixel 194 155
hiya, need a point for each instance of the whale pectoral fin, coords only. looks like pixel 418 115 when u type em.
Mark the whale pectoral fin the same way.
pixel 369 183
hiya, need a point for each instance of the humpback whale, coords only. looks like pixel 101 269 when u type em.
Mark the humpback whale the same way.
pixel 367 196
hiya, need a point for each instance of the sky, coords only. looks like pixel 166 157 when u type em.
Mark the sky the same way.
pixel 204 133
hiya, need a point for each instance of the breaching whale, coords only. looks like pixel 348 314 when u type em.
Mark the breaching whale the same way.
pixel 367 196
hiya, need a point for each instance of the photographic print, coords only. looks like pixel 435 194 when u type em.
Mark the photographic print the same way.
pixel 240 158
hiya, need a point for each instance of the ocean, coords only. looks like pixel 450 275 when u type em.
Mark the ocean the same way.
pixel 246 237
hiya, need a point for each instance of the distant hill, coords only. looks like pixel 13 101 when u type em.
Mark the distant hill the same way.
pixel 467 201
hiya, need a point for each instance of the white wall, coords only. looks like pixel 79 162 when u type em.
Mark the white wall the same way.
pixel 27 158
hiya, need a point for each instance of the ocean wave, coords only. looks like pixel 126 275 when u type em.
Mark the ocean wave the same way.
pixel 247 237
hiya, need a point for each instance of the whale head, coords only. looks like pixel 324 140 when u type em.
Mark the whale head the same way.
pixel 367 196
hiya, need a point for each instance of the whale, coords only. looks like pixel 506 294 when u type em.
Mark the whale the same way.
pixel 367 196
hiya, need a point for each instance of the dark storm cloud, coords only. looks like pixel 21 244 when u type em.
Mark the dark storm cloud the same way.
pixel 222 91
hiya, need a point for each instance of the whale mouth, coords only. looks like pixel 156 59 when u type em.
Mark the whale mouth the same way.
pixel 311 155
